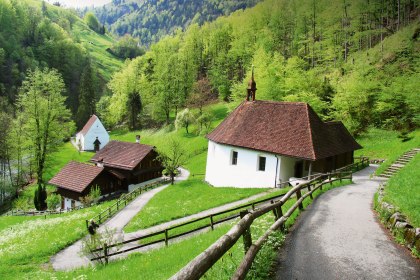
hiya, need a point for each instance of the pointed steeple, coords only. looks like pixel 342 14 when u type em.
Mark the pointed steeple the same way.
pixel 252 87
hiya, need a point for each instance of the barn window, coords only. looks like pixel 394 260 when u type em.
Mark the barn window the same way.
pixel 261 163
pixel 234 160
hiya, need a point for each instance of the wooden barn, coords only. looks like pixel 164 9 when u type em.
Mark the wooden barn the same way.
pixel 132 163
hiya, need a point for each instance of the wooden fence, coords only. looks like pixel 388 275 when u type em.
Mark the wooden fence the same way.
pixel 41 213
pixel 124 200
pixel 260 206
pixel 198 266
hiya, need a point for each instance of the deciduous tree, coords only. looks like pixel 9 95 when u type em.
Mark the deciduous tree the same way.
pixel 47 120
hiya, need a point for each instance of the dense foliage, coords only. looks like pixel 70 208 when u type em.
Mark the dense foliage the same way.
pixel 36 34
pixel 150 20
pixel 354 61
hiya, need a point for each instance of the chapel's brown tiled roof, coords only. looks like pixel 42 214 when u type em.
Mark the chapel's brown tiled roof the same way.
pixel 76 176
pixel 88 125
pixel 123 155
pixel 285 128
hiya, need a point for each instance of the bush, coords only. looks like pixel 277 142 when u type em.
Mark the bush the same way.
pixel 92 197
pixel 53 201
pixel 183 119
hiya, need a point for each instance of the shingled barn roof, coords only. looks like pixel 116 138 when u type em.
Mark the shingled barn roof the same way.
pixel 76 176
pixel 286 128
pixel 123 155
pixel 88 125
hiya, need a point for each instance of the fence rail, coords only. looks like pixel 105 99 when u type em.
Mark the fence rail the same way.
pixel 223 216
pixel 124 200
pixel 41 213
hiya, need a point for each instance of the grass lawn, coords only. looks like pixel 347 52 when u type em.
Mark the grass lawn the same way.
pixel 385 144
pixel 183 199
pixel 403 191
pixel 27 243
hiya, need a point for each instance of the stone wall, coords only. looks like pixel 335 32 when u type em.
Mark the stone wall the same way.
pixel 398 224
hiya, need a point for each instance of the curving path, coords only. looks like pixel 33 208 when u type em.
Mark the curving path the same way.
pixel 339 237
pixel 70 258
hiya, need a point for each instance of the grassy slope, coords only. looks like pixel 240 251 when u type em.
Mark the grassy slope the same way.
pixel 403 191
pixel 184 199
pixel 384 144
pixel 27 243
pixel 96 44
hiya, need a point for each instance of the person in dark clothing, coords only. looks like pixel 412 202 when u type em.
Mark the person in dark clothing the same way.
pixel 92 227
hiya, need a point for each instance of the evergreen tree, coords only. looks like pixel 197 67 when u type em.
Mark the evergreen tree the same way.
pixel 87 96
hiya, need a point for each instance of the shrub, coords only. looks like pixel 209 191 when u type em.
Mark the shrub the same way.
pixel 53 201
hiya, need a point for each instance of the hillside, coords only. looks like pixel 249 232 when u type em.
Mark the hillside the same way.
pixel 357 62
pixel 150 20
pixel 36 34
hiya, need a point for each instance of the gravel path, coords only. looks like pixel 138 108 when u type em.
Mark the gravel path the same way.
pixel 339 237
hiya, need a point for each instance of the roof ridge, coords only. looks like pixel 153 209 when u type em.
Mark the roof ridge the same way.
pixel 119 141
pixel 280 102
pixel 311 139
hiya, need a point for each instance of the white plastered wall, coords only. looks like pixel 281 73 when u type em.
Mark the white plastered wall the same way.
pixel 221 173
pixel 96 130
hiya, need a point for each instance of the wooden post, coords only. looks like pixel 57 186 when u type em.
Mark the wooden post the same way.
pixel 340 176
pixel 211 222
pixel 106 253
pixel 280 214
pixel 166 237
pixel 309 189
pixel 274 211
pixel 118 205
pixel 109 212
pixel 329 178
pixel 246 236
pixel 310 171
pixel 99 219
pixel 298 196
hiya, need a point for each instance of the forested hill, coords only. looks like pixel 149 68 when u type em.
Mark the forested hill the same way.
pixel 149 20
pixel 34 34
pixel 356 61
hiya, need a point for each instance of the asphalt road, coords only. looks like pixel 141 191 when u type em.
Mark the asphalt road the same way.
pixel 339 237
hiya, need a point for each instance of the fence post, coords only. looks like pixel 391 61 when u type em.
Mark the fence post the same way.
pixel 309 189
pixel 100 218
pixel 211 222
pixel 274 211
pixel 329 178
pixel 340 176
pixel 109 212
pixel 166 237
pixel 247 233
pixel 279 215
pixel 106 253
pixel 298 196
